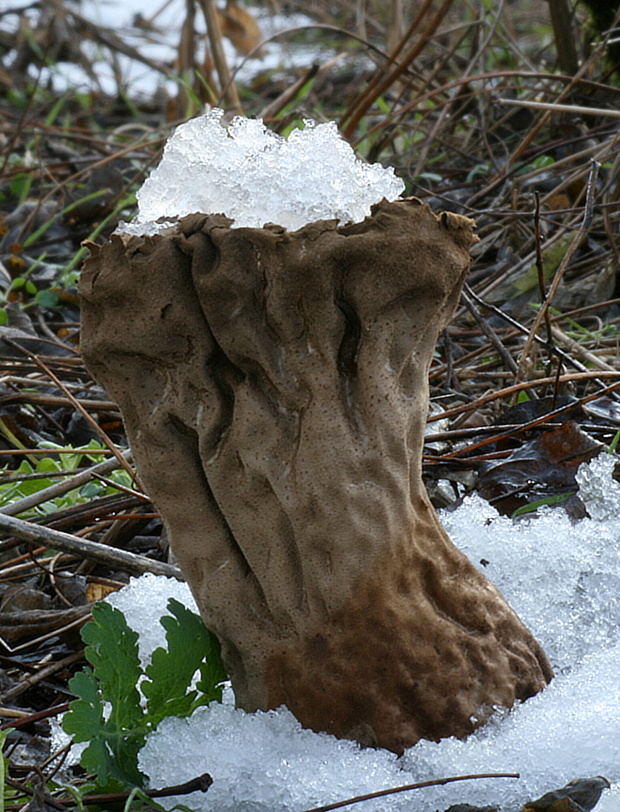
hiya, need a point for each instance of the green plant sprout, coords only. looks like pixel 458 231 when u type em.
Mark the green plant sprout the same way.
pixel 120 703
pixel 24 482
pixel 580 332
pixel 126 201
pixel 548 501
pixel 41 298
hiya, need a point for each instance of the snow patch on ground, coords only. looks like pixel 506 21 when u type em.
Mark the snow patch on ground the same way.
pixel 562 578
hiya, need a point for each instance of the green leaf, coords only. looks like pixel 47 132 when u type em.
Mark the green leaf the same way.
pixel 97 759
pixel 92 490
pixel 109 715
pixel 47 465
pixel 4 763
pixel 112 650
pixel 115 741
pixel 137 794
pixel 20 184
pixel 190 648
pixel 46 298
pixel 85 686
pixel 84 721
pixel 543 161
pixel 212 672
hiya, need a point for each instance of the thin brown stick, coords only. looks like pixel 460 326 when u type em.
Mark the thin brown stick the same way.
pixel 374 86
pixel 200 784
pixel 577 349
pixel 310 27
pixel 229 88
pixel 36 717
pixel 438 782
pixel 545 418
pixel 43 673
pixel 39 452
pixel 543 120
pixel 273 108
pixel 568 360
pixel 489 333
pixel 510 391
pixel 77 405
pixel 447 90
pixel 57 400
pixel 540 267
pixel 75 618
pixel 117 559
pixel 361 107
pixel 559 274
pixel 554 107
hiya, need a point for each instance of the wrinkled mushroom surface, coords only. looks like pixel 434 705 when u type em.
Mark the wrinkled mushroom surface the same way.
pixel 274 390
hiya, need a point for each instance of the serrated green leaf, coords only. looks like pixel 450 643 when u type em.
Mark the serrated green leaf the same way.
pixel 84 721
pixel 115 741
pixel 115 738
pixel 171 670
pixel 96 759
pixel 112 650
pixel 212 672
pixel 86 713
pixel 125 759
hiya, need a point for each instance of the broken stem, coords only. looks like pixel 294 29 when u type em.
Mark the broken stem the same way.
pixel 489 333
pixel 229 89
pixel 514 389
pixel 545 418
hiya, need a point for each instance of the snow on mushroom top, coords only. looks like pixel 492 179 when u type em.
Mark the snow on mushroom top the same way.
pixel 255 176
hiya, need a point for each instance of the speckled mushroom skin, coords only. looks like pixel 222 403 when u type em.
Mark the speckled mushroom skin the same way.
pixel 274 387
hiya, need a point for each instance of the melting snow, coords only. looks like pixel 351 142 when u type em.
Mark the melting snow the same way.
pixel 562 578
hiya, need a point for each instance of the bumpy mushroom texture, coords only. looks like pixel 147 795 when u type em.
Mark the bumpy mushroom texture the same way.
pixel 274 389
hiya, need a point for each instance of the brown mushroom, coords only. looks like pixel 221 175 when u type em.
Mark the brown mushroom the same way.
pixel 274 387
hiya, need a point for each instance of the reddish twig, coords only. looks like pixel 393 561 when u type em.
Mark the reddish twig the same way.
pixel 437 782
pixel 496 438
